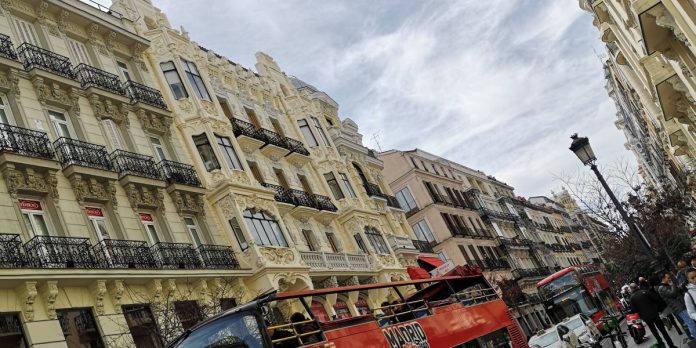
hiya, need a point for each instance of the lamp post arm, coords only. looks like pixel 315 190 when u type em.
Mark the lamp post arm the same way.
pixel 631 227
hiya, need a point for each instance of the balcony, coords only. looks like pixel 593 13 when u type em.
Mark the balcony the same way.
pixel 498 214
pixel 176 255
pixel 393 202
pixel 493 264
pixel 373 190
pixel 445 200
pixel 218 257
pixel 520 273
pixel 514 242
pixel 130 163
pixel 556 247
pixel 301 198
pixel 11 252
pixel 25 142
pixel 60 252
pixel 401 243
pixel 114 253
pixel 335 261
pixel 80 153
pixel 424 246
pixel 586 244
pixel 275 145
pixel 462 231
pixel 90 76
pixel 6 49
pixel 178 173
pixel 37 57
pixel 139 93
pixel 252 138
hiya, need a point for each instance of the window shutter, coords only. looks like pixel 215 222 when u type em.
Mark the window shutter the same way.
pixel 26 32
pixel 113 135
pixel 79 51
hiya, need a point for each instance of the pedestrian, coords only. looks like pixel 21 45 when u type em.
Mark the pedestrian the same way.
pixel 681 274
pixel 690 294
pixel 643 284
pixel 647 304
pixel 674 298
pixel 692 260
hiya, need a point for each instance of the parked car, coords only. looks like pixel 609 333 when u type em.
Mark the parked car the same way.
pixel 554 337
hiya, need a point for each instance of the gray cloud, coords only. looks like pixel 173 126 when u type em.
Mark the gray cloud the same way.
pixel 495 85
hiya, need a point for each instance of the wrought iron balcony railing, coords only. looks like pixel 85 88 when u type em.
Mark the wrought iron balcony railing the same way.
pixel 393 202
pixel 176 255
pixel 272 138
pixel 446 200
pixel 61 252
pixel 25 142
pixel 114 253
pixel 130 163
pixel 140 93
pixel 76 152
pixel 241 127
pixel 586 244
pixel 462 231
pixel 301 198
pixel 218 256
pixel 90 76
pixel 178 173
pixel 373 190
pixel 37 57
pixel 514 242
pixel 520 273
pixel 11 252
pixel 494 264
pixel 6 49
pixel 280 194
pixel 423 246
pixel 324 203
pixel 296 146
pixel 498 214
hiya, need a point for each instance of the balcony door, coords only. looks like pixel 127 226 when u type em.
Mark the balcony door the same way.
pixel 252 117
pixel 282 181
pixel 114 138
pixel 78 50
pixel 98 222
pixel 158 148
pixel 6 116
pixel 148 222
pixel 26 32
pixel 363 178
pixel 61 125
pixel 34 217
pixel 193 230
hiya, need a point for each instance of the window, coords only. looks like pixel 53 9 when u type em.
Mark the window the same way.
pixel 320 131
pixel 376 240
pixel 79 328
pixel 307 133
pixel 78 51
pixel 5 110
pixel 150 229
pixel 195 79
pixel 160 151
pixel 333 185
pixel 413 160
pixel 225 107
pixel 173 80
pixel 193 230
pixel 26 32
pixel 142 326
pixel 264 228
pixel 237 230
pixel 276 127
pixel 113 135
pixel 360 242
pixel 442 256
pixel 331 237
pixel 305 184
pixel 255 171
pixel 188 312
pixel 406 200
pixel 280 176
pixel 206 152
pixel 34 217
pixel 98 221
pixel 228 152
pixel 125 72
pixel 434 169
pixel 347 185
pixel 252 117
pixel 309 239
pixel 12 332
pixel 422 231
pixel 60 124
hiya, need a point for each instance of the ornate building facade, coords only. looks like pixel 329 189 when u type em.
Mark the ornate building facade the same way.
pixel 650 76
pixel 146 178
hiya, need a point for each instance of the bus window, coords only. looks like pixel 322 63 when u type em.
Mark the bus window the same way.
pixel 572 303
pixel 239 330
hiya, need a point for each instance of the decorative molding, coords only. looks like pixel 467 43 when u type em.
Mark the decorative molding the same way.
pixel 156 123
pixel 287 279
pixel 50 292
pixel 28 180
pixel 155 289
pixel 105 108
pixel 330 282
pixel 116 289
pixel 93 189
pixel 99 291
pixel 256 202
pixel 9 82
pixel 28 293
pixel 143 196
pixel 351 281
pixel 227 206
pixel 188 202
pixel 370 280
pixel 52 93
pixel 278 256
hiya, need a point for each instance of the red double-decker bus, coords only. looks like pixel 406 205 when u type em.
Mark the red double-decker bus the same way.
pixel 458 310
pixel 577 289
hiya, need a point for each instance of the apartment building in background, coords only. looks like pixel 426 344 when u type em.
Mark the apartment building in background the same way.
pixel 650 76
pixel 147 179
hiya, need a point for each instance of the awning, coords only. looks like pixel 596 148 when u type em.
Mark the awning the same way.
pixel 417 273
pixel 430 263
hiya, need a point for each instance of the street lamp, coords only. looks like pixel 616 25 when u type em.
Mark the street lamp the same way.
pixel 581 147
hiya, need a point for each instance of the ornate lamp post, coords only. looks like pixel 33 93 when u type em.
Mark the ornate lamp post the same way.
pixel 581 147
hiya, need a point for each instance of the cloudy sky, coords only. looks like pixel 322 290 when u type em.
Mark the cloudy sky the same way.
pixel 495 85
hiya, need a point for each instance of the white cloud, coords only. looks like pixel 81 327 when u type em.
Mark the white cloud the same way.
pixel 496 85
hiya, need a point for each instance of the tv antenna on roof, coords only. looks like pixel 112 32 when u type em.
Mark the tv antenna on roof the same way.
pixel 375 138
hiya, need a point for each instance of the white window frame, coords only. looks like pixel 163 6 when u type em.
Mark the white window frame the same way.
pixel 406 207
pixel 55 122
pixel 6 109
pixel 348 186
pixel 113 135
pixel 32 213
pixel 79 52
pixel 155 147
pixel 320 130
pixel 194 231
pixel 26 32
pixel 148 232
pixel 94 221
pixel 124 70
pixel 308 134
pixel 419 225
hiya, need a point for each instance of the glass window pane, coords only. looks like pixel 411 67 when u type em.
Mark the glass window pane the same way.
pixel 40 223
pixel 279 234
pixel 250 225
pixel 262 233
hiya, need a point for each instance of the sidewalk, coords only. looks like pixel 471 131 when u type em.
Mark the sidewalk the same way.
pixel 679 340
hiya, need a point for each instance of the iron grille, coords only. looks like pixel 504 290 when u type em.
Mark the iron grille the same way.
pixel 423 246
pixel 11 253
pixel 140 93
pixel 61 252
pixel 296 146
pixel 25 142
pixel 114 253
pixel 37 57
pixel 6 49
pixel 218 256
pixel 73 151
pixel 130 163
pixel 176 255
pixel 179 173
pixel 90 76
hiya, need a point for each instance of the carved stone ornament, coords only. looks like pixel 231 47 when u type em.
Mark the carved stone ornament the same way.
pixel 227 206
pixel 99 292
pixel 370 280
pixel 50 292
pixel 53 94
pixel 9 82
pixel 28 180
pixel 185 105
pixel 351 281
pixel 93 189
pixel 278 256
pixel 142 196
pixel 116 290
pixel 188 202
pixel 387 260
pixel 330 282
pixel 218 126
pixel 201 288
pixel 155 123
pixel 105 108
pixel 288 279
pixel 154 288
pixel 28 293
pixel 255 202
pixel 208 107
pixel 240 176
pixel 665 20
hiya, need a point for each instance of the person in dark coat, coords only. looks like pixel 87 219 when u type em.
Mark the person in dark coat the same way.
pixel 646 304
pixel 674 298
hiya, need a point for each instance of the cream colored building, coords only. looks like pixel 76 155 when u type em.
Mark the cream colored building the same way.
pixel 144 175
pixel 650 73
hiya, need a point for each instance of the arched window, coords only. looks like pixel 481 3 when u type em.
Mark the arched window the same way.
pixel 341 308
pixel 264 228
pixel 363 178
pixel 377 240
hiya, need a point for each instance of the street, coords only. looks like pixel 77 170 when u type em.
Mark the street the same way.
pixel 679 340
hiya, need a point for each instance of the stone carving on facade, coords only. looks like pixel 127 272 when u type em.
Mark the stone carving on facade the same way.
pixel 277 256
pixel 219 126
pixel 330 282
pixel 99 291
pixel 9 82
pixel 256 202
pixel 227 206
pixel 188 202
pixel 28 293
pixel 170 289
pixel 116 289
pixel 52 93
pixel 156 123
pixel 93 189
pixel 351 281
pixel 138 51
pixel 29 180
pixel 105 108
pixel 665 20
pixel 370 280
pixel 142 196
pixel 286 280
pixel 185 105
pixel 387 260
pixel 154 287
pixel 50 291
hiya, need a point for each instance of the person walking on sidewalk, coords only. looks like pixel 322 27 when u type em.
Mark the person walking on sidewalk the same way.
pixel 647 304
pixel 674 298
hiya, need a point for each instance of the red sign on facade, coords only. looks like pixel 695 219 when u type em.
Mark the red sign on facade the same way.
pixel 91 211
pixel 145 217
pixel 30 205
